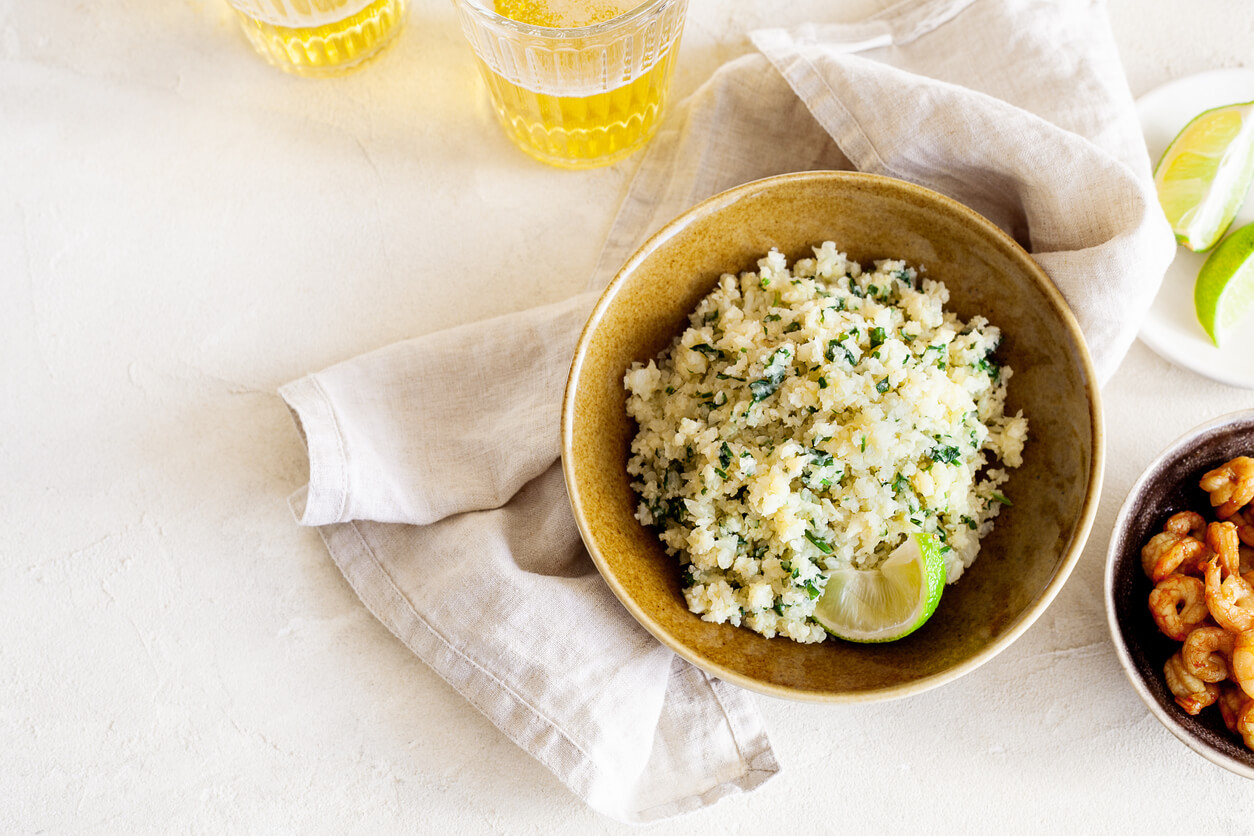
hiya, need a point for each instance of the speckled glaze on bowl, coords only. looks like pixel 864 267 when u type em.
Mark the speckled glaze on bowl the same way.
pixel 1022 564
pixel 1169 485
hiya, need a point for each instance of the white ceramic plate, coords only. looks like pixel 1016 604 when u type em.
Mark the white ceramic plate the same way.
pixel 1172 329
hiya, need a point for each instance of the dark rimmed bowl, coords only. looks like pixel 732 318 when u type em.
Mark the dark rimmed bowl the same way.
pixel 1035 544
pixel 1169 485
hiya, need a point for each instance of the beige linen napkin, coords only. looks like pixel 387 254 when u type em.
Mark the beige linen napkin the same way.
pixel 434 473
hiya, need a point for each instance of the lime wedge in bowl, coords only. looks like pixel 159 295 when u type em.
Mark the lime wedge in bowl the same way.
pixel 888 603
pixel 1204 174
pixel 1224 292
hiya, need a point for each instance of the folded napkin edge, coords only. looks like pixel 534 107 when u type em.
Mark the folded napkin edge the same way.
pixel 326 496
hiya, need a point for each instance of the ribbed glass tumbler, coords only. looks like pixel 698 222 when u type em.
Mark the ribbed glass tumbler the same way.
pixel 579 97
pixel 319 37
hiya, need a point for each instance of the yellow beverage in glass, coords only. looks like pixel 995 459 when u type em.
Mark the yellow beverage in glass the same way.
pixel 576 83
pixel 319 37
pixel 564 14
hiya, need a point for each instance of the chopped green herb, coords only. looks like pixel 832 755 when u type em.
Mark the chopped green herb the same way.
pixel 775 371
pixel 1003 500
pixel 709 351
pixel 812 590
pixel 881 386
pixel 834 345
pixel 722 376
pixel 944 454
pixel 991 367
pixel 762 389
pixel 724 455
pixel 822 545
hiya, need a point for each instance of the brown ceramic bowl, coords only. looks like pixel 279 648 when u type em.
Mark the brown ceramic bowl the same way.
pixel 1169 485
pixel 1022 564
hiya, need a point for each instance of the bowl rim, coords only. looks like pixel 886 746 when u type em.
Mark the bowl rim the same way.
pixel 1070 557
pixel 1130 671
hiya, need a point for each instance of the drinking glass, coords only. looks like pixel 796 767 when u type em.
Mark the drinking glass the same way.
pixel 319 37
pixel 582 96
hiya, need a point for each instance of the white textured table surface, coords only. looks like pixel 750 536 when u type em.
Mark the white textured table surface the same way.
pixel 182 230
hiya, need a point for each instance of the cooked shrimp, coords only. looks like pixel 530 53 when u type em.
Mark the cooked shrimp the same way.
pixel 1244 521
pixel 1231 486
pixel 1192 694
pixel 1245 724
pixel 1178 604
pixel 1243 662
pixel 1230 600
pixel 1155 548
pixel 1232 701
pixel 1206 652
pixel 1168 551
pixel 1186 523
pixel 1221 538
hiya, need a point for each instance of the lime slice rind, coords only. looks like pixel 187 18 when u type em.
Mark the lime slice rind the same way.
pixel 1240 302
pixel 887 603
pixel 1223 295
pixel 1203 176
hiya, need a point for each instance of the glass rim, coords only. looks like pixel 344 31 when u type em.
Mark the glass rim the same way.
pixel 553 33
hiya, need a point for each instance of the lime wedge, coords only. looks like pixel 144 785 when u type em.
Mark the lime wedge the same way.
pixel 1224 292
pixel 1205 172
pixel 885 604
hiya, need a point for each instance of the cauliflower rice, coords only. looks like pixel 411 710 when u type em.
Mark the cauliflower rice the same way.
pixel 808 421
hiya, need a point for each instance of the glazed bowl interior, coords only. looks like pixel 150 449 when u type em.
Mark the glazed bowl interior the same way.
pixel 1035 544
pixel 1168 485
